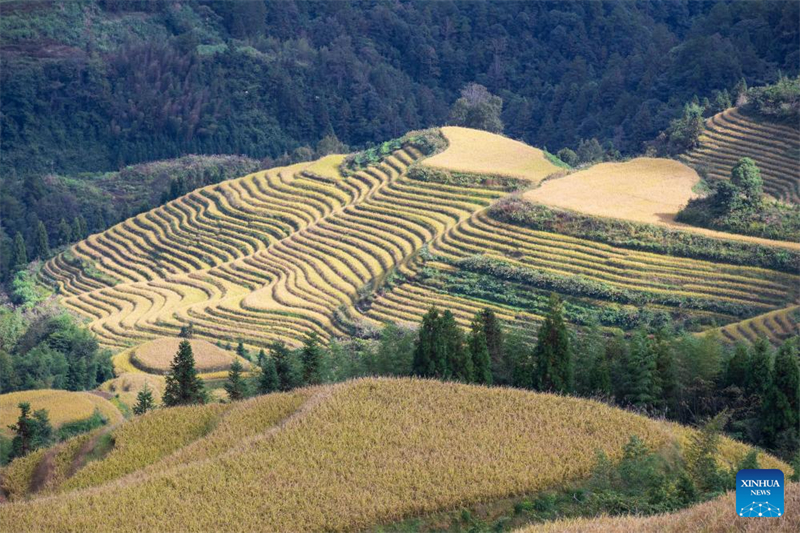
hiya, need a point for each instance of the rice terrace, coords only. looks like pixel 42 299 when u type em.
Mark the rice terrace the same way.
pixel 398 267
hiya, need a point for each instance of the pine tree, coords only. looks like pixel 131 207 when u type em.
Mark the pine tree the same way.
pixel 781 409
pixel 22 444
pixel 42 242
pixel 642 372
pixel 701 455
pixel 760 370
pixel 552 355
pixel 235 386
pixel 479 351
pixel 77 375
pixel 312 360
pixel 19 257
pixel 493 330
pixel 144 401
pixel 288 377
pixel 64 232
pixel 183 385
pixel 425 348
pixel 268 379
pixel 589 353
pixel 241 351
pixel 455 361
pixel 737 368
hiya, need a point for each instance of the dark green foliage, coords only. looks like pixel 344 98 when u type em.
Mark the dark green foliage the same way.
pixel 426 351
pixel 747 177
pixel 312 358
pixel 760 370
pixel 144 401
pixel 183 385
pixel 684 132
pixel 241 351
pixel 701 455
pixel 589 151
pixel 287 366
pixel 235 387
pixel 479 350
pixel 568 156
pixel 30 432
pixel 553 355
pixel 42 242
pixel 454 359
pixel 187 331
pixel 738 367
pixel 495 344
pixel 19 254
pixel 71 429
pixel 268 380
pixel 477 108
pixel 643 389
pixel 780 101
pixel 781 408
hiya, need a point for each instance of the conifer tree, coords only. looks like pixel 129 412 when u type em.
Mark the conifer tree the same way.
pixel 19 257
pixel 235 386
pixel 241 351
pixel 479 351
pixel 268 379
pixel 553 355
pixel 42 242
pixel 288 377
pixel 64 232
pixel 781 409
pixel 183 385
pixel 589 355
pixel 22 444
pixel 642 372
pixel 493 330
pixel 144 401
pixel 425 349
pixel 454 360
pixel 737 367
pixel 760 370
pixel 312 360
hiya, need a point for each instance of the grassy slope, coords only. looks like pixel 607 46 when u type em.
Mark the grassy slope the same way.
pixel 716 516
pixel 62 406
pixel 353 455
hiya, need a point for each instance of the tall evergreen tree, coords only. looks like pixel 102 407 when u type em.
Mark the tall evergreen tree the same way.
pixel 241 351
pixel 455 361
pixel 183 385
pixel 288 376
pixel 64 233
pixel 19 257
pixel 781 409
pixel 589 353
pixel 760 370
pixel 312 360
pixel 235 386
pixel 479 351
pixel 737 367
pixel 642 372
pixel 268 380
pixel 553 355
pixel 425 350
pixel 42 242
pixel 144 401
pixel 502 369
pixel 22 443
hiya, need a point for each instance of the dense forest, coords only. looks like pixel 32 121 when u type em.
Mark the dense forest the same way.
pixel 91 86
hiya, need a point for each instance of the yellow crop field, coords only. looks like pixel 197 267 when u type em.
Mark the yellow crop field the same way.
pixel 340 457
pixel 62 406
pixel 128 384
pixel 480 152
pixel 156 356
pixel 327 167
pixel 644 189
pixel 731 135
pixel 716 516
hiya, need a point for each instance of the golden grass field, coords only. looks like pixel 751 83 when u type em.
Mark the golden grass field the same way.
pixel 127 385
pixel 327 167
pixel 62 406
pixel 716 516
pixel 645 189
pixel 340 457
pixel 481 152
pixel 155 357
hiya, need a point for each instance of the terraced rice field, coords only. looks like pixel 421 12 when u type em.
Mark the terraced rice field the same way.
pixel 336 458
pixel 279 254
pixel 480 152
pixel 730 135
pixel 62 406
pixel 777 326
pixel 155 356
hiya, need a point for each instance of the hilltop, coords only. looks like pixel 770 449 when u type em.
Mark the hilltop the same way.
pixel 339 457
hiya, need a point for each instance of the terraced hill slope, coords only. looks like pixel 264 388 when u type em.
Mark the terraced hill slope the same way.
pixel 281 253
pixel 340 457
pixel 62 406
pixel 775 148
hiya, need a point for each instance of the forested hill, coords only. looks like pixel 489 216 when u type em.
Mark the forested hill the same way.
pixel 89 86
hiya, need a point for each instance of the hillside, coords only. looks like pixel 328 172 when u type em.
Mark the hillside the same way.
pixel 731 135
pixel 278 254
pixel 62 406
pixel 716 516
pixel 334 458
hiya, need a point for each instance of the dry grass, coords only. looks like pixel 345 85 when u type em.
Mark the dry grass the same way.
pixel 127 386
pixel 62 406
pixel 717 516
pixel 644 189
pixel 327 167
pixel 156 356
pixel 481 152
pixel 356 454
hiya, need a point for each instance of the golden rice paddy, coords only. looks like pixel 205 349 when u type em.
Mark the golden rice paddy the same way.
pixel 156 356
pixel 341 457
pixel 62 406
pixel 480 152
